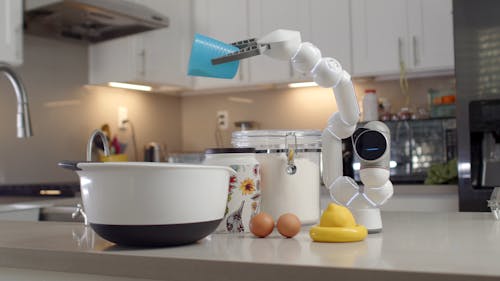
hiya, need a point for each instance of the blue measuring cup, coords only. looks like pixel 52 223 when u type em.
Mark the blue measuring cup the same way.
pixel 203 51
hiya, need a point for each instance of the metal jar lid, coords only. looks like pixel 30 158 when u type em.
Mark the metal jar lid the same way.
pixel 230 150
pixel 277 139
pixel 289 142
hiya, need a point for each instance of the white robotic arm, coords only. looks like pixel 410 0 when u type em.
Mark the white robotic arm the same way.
pixel 371 142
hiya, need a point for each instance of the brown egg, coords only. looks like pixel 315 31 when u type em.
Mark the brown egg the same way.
pixel 262 225
pixel 288 225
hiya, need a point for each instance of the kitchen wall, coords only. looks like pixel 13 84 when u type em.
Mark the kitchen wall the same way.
pixel 64 112
pixel 303 108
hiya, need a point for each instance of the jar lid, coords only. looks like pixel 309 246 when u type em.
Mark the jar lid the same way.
pixel 264 139
pixel 230 150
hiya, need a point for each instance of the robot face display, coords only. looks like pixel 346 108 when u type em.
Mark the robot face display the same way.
pixel 370 145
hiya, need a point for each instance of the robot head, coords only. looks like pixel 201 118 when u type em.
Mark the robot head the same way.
pixel 372 144
pixel 369 145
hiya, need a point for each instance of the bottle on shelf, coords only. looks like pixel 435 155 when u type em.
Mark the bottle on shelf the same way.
pixel 370 105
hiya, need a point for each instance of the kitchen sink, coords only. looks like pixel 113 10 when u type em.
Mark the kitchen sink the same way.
pixel 59 213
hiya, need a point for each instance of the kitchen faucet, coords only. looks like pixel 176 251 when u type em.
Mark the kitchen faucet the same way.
pixel 23 113
pixel 104 140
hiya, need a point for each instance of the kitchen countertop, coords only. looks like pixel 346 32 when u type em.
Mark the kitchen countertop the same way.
pixel 14 203
pixel 413 246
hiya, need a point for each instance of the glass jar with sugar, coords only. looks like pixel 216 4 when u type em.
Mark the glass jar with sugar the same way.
pixel 290 170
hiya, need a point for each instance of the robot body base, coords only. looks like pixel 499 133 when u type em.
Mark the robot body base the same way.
pixel 370 218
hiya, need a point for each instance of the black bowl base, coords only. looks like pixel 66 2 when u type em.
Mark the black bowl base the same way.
pixel 155 235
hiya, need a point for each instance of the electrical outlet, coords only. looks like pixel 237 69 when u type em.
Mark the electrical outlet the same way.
pixel 122 116
pixel 222 119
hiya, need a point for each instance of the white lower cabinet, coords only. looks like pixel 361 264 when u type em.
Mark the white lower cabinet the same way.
pixel 17 274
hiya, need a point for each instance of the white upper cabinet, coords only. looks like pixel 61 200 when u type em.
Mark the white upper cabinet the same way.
pixel 417 33
pixel 158 58
pixel 325 23
pixel 266 16
pixel 117 60
pixel 368 37
pixel 226 21
pixel 167 50
pixel 431 35
pixel 11 32
pixel 331 30
pixel 378 36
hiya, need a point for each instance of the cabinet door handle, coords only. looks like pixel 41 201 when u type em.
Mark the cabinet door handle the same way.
pixel 416 58
pixel 291 70
pixel 400 50
pixel 142 57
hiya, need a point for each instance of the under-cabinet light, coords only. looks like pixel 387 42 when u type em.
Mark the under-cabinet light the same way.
pixel 130 86
pixel 302 85
pixel 53 192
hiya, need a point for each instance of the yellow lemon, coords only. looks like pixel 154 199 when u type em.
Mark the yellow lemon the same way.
pixel 337 216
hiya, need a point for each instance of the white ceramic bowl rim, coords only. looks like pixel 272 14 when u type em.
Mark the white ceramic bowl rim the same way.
pixel 84 165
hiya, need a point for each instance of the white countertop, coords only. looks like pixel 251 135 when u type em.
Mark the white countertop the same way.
pixel 15 203
pixel 413 245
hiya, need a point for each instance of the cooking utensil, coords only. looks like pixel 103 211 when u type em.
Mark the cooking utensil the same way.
pixel 115 145
pixel 114 158
pixel 152 204
pixel 153 152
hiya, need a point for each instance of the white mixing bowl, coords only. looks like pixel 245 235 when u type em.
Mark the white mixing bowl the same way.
pixel 153 204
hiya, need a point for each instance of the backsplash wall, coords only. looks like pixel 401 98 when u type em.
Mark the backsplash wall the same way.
pixel 64 113
pixel 304 108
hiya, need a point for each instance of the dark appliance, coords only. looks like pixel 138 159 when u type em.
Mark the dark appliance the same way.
pixel 477 71
pixel 90 21
pixel 416 145
pixel 68 189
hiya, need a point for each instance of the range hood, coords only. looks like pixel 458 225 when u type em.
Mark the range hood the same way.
pixel 89 21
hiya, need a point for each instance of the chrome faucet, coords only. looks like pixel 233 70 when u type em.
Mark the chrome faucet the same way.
pixel 104 140
pixel 23 113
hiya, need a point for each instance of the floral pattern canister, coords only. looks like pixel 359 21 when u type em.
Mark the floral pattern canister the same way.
pixel 243 200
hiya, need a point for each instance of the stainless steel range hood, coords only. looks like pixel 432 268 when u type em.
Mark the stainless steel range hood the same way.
pixel 89 21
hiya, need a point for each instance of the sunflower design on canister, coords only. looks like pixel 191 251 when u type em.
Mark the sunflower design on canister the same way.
pixel 247 187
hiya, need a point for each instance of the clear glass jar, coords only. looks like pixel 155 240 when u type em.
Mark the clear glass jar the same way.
pixel 290 170
pixel 244 196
